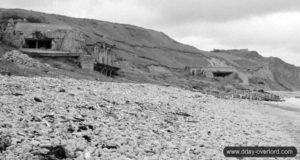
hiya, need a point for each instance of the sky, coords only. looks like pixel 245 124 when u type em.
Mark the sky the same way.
pixel 271 27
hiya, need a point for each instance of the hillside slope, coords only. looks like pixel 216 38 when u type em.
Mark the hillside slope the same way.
pixel 265 71
pixel 147 55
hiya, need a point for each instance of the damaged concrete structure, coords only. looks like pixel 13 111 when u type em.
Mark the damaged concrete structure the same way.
pixel 220 72
pixel 43 36
pixel 100 51
pixel 49 40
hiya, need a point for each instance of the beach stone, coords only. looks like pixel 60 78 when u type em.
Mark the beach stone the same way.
pixel 37 99
pixel 5 141
pixel 96 124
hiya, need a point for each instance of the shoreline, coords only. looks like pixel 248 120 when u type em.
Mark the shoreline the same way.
pixel 288 112
pixel 285 107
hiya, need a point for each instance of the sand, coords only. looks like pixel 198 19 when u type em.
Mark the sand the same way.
pixel 80 119
pixel 288 112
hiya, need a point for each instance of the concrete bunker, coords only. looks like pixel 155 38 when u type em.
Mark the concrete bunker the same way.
pixel 37 43
pixel 222 74
pixel 37 40
pixel 226 73
pixel 49 40
pixel 41 36
pixel 100 51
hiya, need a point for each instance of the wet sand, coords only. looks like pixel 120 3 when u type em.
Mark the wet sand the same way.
pixel 288 113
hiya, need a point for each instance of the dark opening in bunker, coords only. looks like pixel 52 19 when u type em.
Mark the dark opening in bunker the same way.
pixel 38 43
pixel 222 74
pixel 30 43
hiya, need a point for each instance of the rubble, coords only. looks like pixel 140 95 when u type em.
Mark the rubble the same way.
pixel 22 59
pixel 5 141
pixel 259 95
pixel 93 120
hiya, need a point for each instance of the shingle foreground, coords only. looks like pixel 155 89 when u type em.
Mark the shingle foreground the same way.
pixel 47 118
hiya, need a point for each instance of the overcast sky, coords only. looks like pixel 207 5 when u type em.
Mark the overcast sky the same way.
pixel 271 27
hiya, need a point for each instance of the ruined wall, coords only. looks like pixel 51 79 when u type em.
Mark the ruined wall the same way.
pixel 73 42
pixel 87 62
pixel 9 35
pixel 99 54
pixel 193 71
pixel 109 59
pixel 208 74
pixel 244 77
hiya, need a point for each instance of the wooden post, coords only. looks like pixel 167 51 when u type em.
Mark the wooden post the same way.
pixel 96 53
pixel 110 60
pixel 110 73
pixel 111 63
pixel 105 54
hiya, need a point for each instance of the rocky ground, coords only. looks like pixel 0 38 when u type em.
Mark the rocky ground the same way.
pixel 48 118
pixel 16 63
pixel 23 59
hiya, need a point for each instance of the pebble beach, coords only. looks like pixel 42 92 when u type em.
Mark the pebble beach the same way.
pixel 48 118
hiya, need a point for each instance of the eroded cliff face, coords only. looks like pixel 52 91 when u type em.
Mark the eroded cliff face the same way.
pixel 139 49
pixel 286 75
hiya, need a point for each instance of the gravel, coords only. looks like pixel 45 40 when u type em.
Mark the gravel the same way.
pixel 47 118
pixel 17 57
